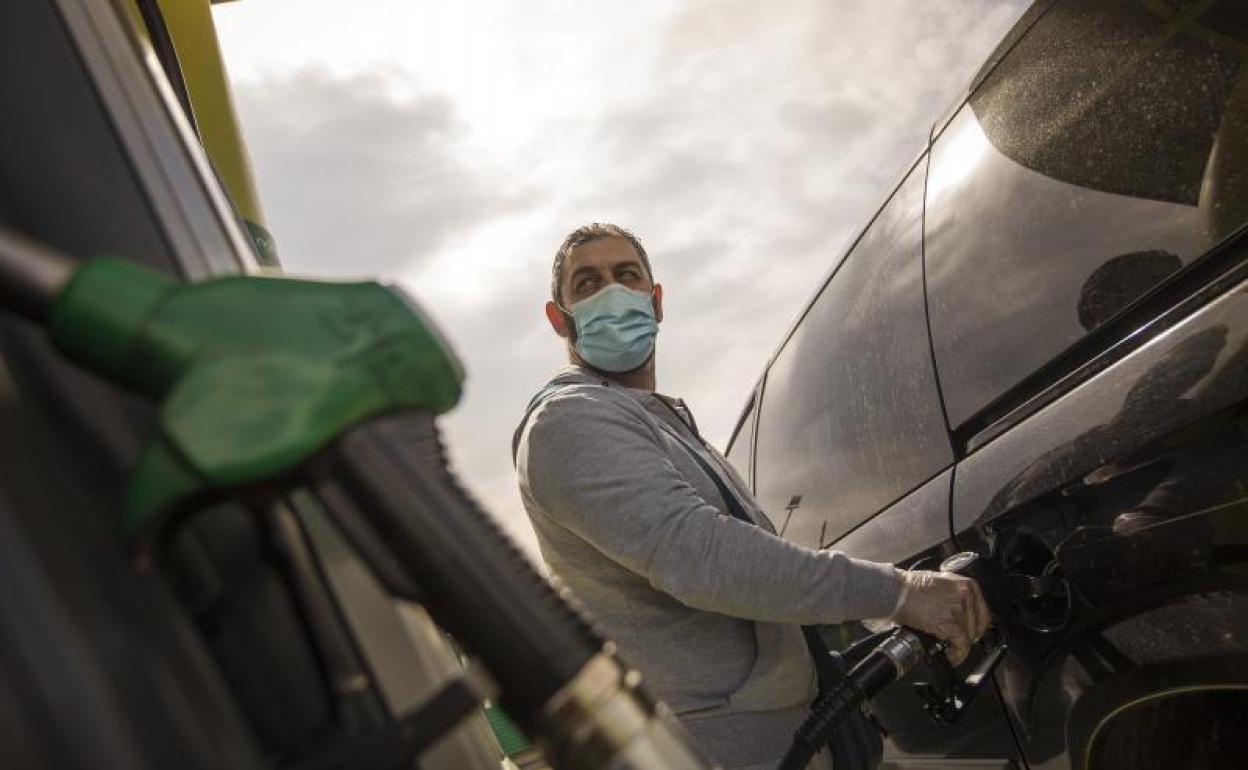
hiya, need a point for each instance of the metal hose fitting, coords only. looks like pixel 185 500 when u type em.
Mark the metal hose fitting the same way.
pixel 31 274
pixel 602 718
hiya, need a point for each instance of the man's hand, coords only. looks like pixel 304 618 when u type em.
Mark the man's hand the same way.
pixel 947 606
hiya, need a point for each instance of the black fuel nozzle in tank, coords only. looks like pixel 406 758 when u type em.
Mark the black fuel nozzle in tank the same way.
pixel 945 696
pixel 947 693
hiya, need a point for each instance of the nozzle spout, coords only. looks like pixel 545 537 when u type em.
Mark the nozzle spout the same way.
pixel 31 275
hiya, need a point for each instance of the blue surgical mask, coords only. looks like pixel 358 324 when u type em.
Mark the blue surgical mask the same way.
pixel 615 328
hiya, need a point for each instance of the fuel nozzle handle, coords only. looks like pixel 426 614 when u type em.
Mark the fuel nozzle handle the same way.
pixel 945 692
pixel 992 580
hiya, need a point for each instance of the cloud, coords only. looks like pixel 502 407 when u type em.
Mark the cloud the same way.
pixel 358 180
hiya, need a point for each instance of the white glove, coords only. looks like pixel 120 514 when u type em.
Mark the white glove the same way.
pixel 945 605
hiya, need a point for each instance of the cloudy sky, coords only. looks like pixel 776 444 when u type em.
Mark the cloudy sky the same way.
pixel 451 146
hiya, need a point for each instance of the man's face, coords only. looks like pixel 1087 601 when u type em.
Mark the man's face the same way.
pixel 594 265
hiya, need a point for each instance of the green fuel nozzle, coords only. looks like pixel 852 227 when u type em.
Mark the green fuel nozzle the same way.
pixel 253 375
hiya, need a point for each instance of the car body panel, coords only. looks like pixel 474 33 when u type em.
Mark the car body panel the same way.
pixel 850 422
pixel 1130 491
pixel 908 527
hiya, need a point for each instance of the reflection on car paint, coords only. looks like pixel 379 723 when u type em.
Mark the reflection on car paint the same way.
pixel 851 421
pixel 1128 502
pixel 1110 130
pixel 1197 368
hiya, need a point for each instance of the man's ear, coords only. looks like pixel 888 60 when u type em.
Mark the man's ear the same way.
pixel 658 303
pixel 558 321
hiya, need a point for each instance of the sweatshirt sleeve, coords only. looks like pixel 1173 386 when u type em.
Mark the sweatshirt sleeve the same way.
pixel 597 467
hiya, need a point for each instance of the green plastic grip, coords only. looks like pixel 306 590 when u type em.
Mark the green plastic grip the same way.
pixel 252 374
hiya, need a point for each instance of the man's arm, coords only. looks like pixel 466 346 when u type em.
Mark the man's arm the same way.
pixel 596 467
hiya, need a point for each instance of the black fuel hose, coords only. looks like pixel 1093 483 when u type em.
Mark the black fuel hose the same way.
pixel 473 580
pixel 891 660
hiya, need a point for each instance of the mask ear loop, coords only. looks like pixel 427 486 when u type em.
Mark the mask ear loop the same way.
pixel 568 321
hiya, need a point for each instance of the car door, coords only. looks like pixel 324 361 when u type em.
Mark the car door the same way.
pixel 1085 259
pixel 849 419
pixel 851 451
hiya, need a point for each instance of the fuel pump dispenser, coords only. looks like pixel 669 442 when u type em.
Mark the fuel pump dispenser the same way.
pixel 267 384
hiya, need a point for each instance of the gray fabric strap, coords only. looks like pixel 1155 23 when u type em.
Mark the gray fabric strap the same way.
pixel 534 403
pixel 829 674
pixel 735 509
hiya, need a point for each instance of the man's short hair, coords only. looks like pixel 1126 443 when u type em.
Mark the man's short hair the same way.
pixel 587 234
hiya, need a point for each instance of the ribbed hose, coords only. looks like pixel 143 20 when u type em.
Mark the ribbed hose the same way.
pixel 832 706
pixel 826 713
pixel 475 582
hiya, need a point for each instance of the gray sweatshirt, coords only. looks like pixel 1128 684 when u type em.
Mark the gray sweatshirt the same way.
pixel 706 606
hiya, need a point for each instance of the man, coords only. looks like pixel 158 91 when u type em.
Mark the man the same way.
pixel 626 500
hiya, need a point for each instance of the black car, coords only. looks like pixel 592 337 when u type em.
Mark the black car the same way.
pixel 1038 350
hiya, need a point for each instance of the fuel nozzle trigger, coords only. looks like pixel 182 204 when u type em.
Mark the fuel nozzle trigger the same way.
pixel 946 693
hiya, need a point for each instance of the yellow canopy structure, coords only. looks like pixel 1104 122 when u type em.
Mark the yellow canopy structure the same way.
pixel 194 65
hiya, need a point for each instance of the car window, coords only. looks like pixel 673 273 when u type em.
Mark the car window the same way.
pixel 1104 153
pixel 740 446
pixel 850 417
